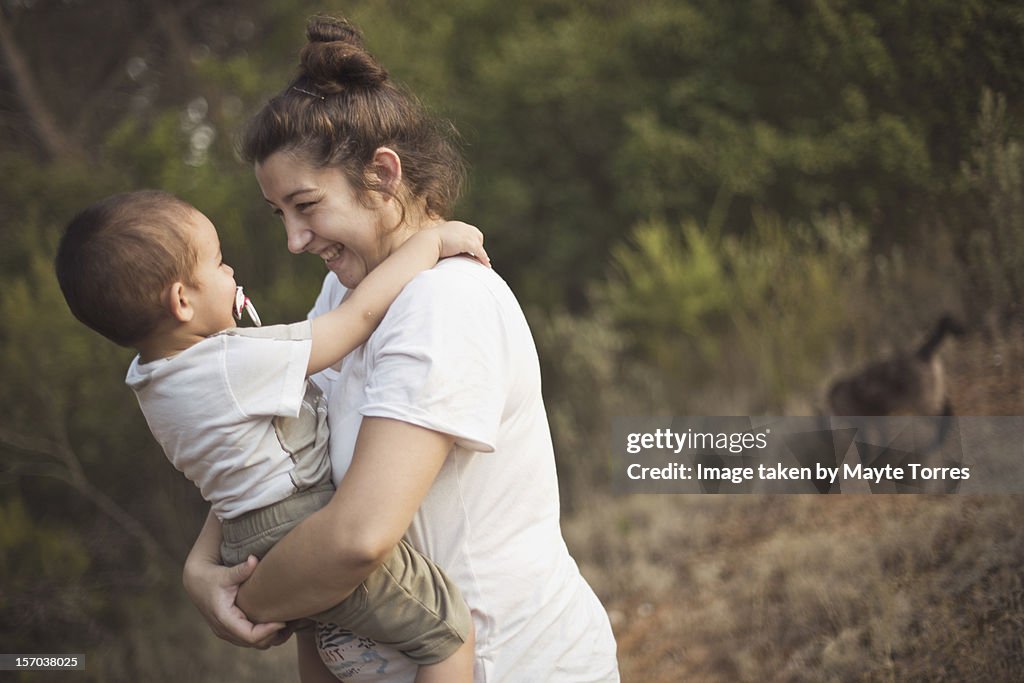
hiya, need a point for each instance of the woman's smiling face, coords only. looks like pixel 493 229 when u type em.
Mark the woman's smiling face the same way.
pixel 323 215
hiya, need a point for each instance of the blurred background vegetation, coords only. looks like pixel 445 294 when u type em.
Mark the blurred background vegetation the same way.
pixel 705 208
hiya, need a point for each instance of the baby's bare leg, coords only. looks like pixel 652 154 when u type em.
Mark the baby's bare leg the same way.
pixel 458 668
pixel 311 667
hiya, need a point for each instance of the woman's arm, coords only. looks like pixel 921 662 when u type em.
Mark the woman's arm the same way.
pixel 329 553
pixel 338 332
pixel 212 587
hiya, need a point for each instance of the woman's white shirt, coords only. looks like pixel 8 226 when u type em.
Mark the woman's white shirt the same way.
pixel 454 354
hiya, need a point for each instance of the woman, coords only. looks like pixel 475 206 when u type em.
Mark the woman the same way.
pixel 438 429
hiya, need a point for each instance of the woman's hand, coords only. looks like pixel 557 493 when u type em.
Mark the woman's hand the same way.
pixel 212 589
pixel 461 238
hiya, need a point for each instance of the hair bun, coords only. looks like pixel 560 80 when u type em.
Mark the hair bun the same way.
pixel 324 29
pixel 334 59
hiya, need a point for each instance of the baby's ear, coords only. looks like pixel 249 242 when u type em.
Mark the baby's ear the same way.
pixel 176 302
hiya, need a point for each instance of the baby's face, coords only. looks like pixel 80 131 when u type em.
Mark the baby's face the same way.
pixel 213 297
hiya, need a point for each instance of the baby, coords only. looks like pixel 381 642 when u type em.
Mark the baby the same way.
pixel 233 408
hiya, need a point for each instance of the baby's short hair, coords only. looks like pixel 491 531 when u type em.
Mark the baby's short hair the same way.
pixel 117 257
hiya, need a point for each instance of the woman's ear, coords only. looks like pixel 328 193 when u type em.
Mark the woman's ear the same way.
pixel 386 167
pixel 176 303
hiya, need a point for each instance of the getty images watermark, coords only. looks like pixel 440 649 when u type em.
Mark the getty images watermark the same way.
pixel 976 455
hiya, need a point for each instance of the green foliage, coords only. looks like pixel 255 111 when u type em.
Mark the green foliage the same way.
pixel 587 382
pixel 670 287
pixel 794 287
pixel 58 374
pixel 31 551
pixel 600 116
pixel 994 179
pixel 761 310
pixel 44 570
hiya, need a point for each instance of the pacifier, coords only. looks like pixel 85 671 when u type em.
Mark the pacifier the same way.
pixel 243 302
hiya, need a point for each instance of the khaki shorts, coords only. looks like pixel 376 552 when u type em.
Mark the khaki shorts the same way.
pixel 407 603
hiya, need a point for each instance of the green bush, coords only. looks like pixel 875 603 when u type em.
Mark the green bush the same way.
pixel 758 313
pixel 994 180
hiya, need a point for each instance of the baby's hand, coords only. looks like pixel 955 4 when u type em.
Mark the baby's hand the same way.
pixel 460 238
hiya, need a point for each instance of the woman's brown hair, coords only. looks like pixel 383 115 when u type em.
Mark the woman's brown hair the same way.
pixel 342 107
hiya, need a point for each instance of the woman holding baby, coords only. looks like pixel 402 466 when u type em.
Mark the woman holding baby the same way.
pixel 438 429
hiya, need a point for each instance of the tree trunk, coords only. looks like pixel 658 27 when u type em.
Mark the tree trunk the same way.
pixel 56 145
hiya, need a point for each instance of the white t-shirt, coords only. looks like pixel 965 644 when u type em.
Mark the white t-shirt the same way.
pixel 454 354
pixel 211 408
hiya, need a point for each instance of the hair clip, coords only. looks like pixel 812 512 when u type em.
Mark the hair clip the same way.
pixel 306 92
pixel 243 302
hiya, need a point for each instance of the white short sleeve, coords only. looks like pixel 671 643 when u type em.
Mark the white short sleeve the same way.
pixel 211 407
pixel 436 359
pixel 265 368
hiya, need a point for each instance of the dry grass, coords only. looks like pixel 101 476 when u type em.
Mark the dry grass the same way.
pixel 740 588
pixel 743 588
pixel 168 645
pixel 821 588
pixel 805 588
pixel 986 373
